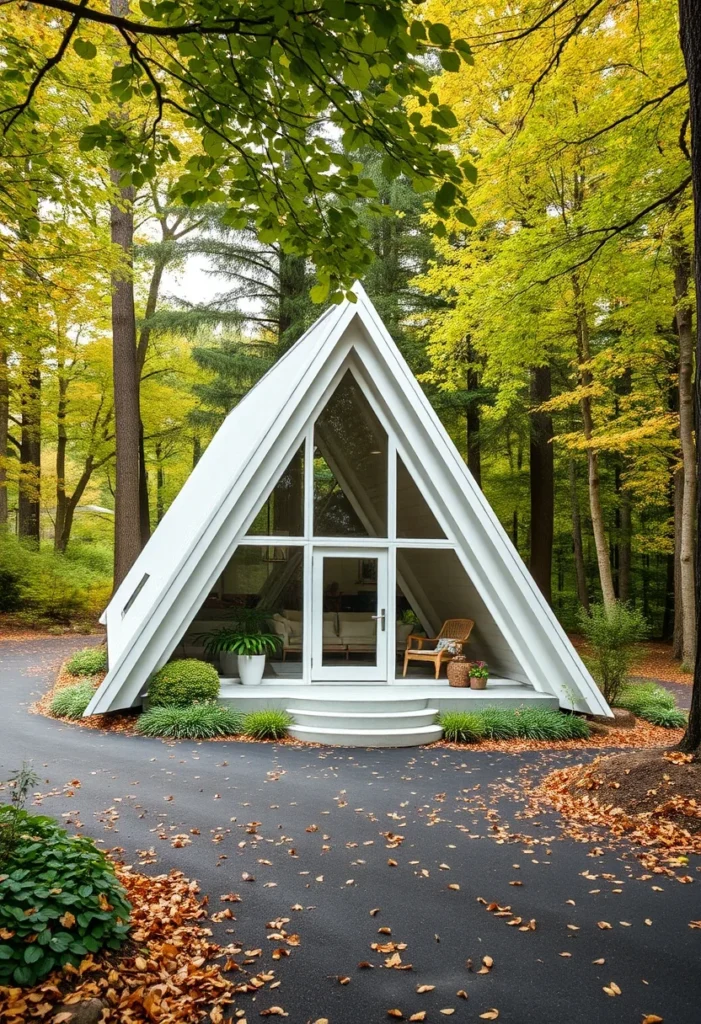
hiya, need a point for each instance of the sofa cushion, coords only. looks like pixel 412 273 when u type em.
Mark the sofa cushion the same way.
pixel 357 629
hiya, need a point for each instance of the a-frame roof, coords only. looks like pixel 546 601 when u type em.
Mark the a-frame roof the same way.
pixel 195 539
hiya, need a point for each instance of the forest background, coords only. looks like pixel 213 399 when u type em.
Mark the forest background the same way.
pixel 554 335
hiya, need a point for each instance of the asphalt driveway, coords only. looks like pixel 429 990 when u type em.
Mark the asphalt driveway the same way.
pixel 319 828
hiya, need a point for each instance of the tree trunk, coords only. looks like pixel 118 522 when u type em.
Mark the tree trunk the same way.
pixel 542 484
pixel 474 453
pixel 690 31
pixel 127 526
pixel 597 516
pixel 578 547
pixel 623 542
pixel 678 633
pixel 4 430
pixel 61 444
pixel 196 451
pixel 160 482
pixel 144 509
pixel 29 503
pixel 684 318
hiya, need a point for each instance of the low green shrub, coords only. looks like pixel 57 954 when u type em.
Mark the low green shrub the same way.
pixel 10 590
pixel 269 724
pixel 549 724
pixel 613 634
pixel 668 718
pixel 59 899
pixel 71 701
pixel 461 726
pixel 196 722
pixel 87 662
pixel 577 728
pixel 499 723
pixel 183 682
pixel 638 696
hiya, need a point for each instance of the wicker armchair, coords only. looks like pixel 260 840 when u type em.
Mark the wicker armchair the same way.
pixel 452 629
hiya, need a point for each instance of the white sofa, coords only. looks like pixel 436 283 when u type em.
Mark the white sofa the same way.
pixel 349 631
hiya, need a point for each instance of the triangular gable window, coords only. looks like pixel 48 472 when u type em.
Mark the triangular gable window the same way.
pixel 282 512
pixel 350 466
pixel 414 517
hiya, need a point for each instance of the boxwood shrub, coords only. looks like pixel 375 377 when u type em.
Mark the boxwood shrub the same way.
pixel 196 722
pixel 87 662
pixel 59 899
pixel 183 682
pixel 71 701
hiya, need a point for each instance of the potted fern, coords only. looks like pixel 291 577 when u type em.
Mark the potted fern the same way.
pixel 240 651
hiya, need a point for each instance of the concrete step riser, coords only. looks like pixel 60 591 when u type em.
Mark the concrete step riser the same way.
pixel 358 705
pixel 367 738
pixel 391 720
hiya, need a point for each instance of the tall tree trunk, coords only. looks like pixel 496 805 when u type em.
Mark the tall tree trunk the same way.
pixel 678 632
pixel 684 318
pixel 597 516
pixel 127 526
pixel 4 430
pixel 624 545
pixel 474 449
pixel 29 503
pixel 542 484
pixel 61 444
pixel 690 31
pixel 577 546
pixel 144 509
pixel 160 482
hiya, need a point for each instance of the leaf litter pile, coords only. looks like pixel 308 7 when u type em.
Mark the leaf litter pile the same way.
pixel 165 972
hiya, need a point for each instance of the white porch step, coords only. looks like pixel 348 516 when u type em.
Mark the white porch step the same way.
pixel 411 736
pixel 354 703
pixel 374 719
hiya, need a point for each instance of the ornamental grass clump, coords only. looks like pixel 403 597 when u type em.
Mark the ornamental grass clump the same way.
pixel 654 704
pixel 182 682
pixel 548 724
pixel 461 726
pixel 499 724
pixel 71 701
pixel 268 724
pixel 196 722
pixel 87 662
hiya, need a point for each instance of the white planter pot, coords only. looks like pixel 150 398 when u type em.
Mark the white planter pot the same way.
pixel 403 631
pixel 229 664
pixel 251 668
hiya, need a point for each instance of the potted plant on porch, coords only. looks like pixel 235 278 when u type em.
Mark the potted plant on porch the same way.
pixel 241 651
pixel 479 674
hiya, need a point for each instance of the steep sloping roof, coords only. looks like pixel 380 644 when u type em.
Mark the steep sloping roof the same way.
pixel 177 568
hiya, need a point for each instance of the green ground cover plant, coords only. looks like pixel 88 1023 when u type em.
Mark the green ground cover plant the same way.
pixel 196 722
pixel 87 662
pixel 71 701
pixel 268 724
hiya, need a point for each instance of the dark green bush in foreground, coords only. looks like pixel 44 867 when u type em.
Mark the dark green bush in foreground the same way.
pixel 269 724
pixel 59 899
pixel 196 722
pixel 504 723
pixel 87 662
pixel 183 682
pixel 71 701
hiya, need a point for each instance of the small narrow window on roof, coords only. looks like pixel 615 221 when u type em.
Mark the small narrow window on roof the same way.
pixel 139 588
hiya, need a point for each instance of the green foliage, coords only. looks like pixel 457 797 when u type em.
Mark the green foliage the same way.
pixel 253 643
pixel 183 682
pixel 504 723
pixel 499 724
pixel 71 701
pixel 268 724
pixel 50 585
pixel 10 590
pixel 612 635
pixel 19 784
pixel 461 726
pixel 654 704
pixel 59 900
pixel 196 722
pixel 87 662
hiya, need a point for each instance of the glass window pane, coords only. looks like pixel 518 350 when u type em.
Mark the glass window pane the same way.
pixel 282 512
pixel 414 517
pixel 349 631
pixel 261 589
pixel 350 466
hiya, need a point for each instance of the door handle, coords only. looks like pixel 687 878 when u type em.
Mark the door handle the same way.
pixel 381 617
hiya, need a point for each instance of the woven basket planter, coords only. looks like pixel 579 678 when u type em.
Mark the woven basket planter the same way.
pixel 459 672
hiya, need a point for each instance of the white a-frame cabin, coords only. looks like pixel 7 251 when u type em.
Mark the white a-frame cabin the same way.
pixel 333 500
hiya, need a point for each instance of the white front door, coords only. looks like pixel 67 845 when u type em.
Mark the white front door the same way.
pixel 349 615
